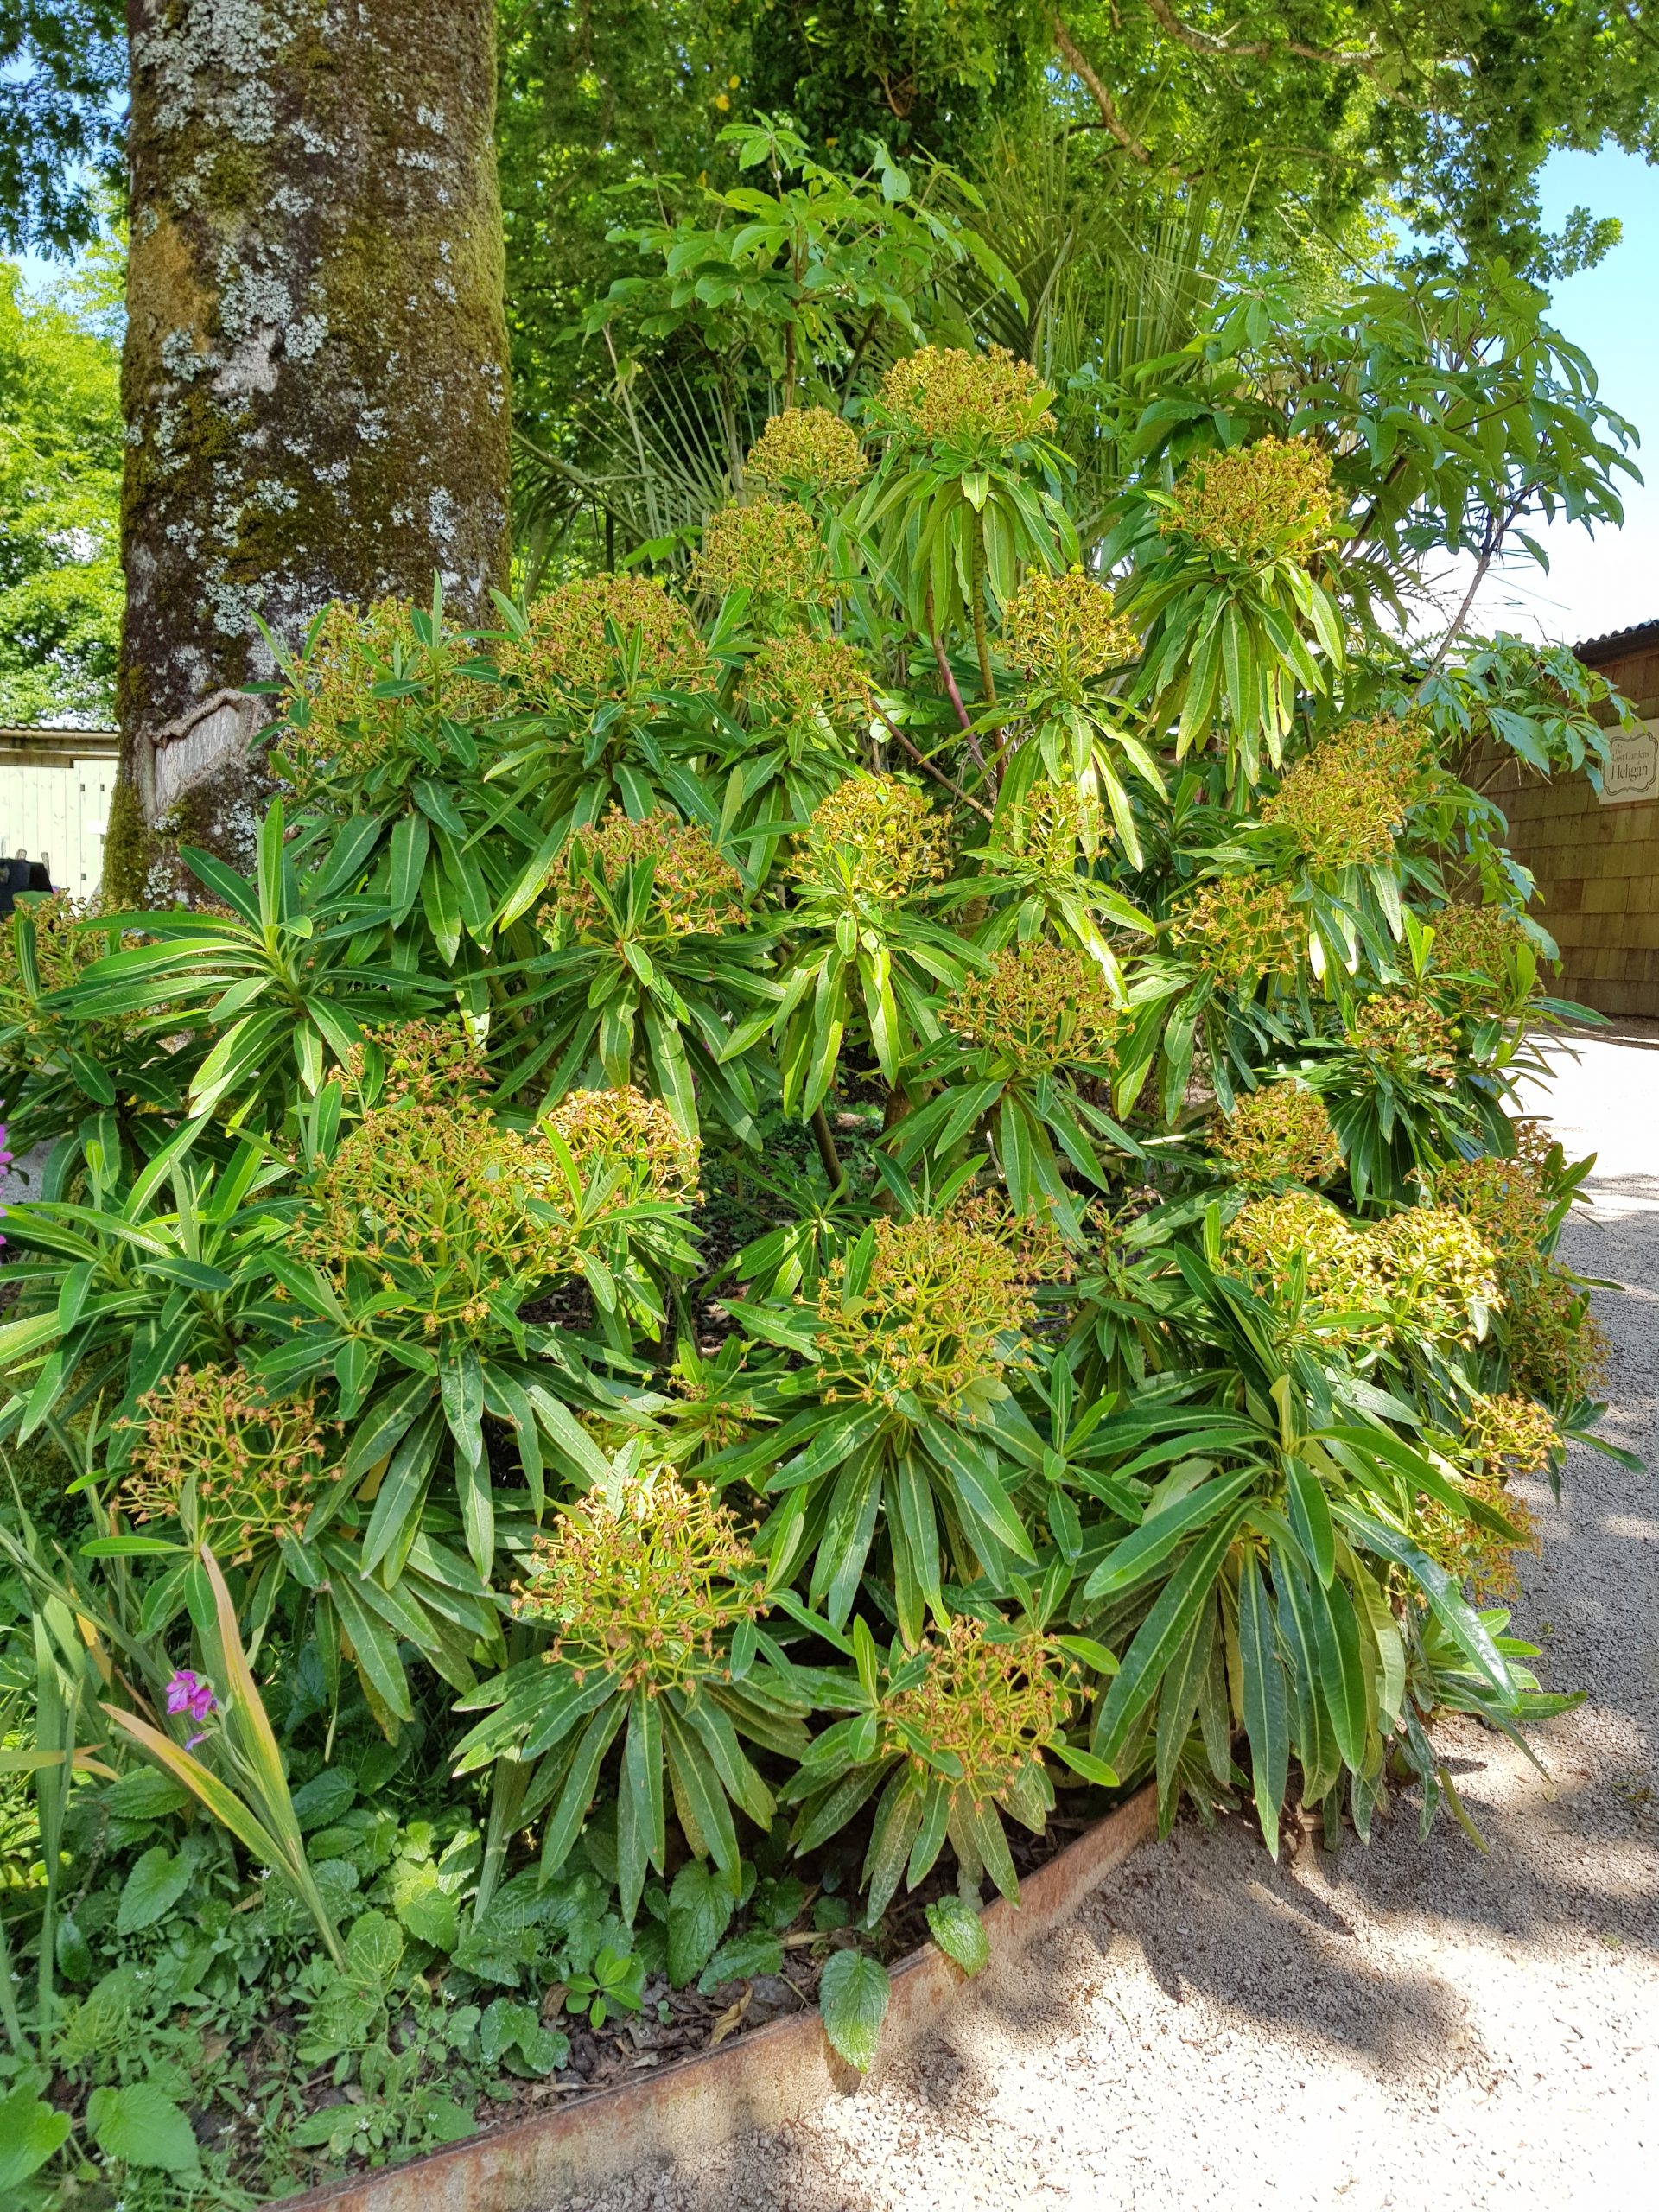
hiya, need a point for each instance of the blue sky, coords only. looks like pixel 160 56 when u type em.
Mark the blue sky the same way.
pixel 1610 581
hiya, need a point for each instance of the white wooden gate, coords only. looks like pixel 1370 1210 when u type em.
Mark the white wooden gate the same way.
pixel 55 801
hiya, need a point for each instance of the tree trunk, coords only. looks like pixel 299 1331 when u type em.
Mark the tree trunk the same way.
pixel 315 376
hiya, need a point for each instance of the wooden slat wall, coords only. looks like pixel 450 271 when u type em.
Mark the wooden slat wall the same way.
pixel 1597 866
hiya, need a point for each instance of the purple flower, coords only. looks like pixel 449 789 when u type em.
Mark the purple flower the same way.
pixel 192 1693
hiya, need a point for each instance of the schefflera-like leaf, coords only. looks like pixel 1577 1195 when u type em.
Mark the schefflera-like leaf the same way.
pixel 650 1595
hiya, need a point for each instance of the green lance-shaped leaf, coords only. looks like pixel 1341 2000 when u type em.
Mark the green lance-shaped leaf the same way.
pixel 1266 1720
pixel 1160 1636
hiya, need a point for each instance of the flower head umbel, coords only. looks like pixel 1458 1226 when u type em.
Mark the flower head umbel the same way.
pixel 944 1310
pixel 1281 1134
pixel 193 1694
pixel 1062 631
pixel 578 638
pixel 1040 1007
pixel 1399 754
pixel 640 1584
pixel 627 1135
pixel 1237 930
pixel 695 890
pixel 1470 1550
pixel 424 1060
pixel 814 688
pixel 1507 1434
pixel 875 837
pixel 946 396
pixel 808 449
pixel 1342 803
pixel 438 1203
pixel 770 548
pixel 214 1452
pixel 1423 1272
pixel 1045 832
pixel 1254 504
pixel 1557 1349
pixel 986 1705
pixel 1340 1283
pixel 1506 1199
pixel 1406 1035
pixel 343 725
pixel 1436 1272
pixel 35 1033
pixel 1503 1435
pixel 1477 965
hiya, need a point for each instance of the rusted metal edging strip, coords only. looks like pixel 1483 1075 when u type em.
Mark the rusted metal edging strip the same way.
pixel 777 2074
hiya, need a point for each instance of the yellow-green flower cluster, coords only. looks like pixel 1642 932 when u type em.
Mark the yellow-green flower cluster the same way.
pixel 1426 1271
pixel 1470 1553
pixel 424 1059
pixel 63 950
pixel 638 1589
pixel 1504 1199
pixel 1036 1240
pixel 1279 1134
pixel 990 1706
pixel 799 682
pixel 434 1199
pixel 214 1450
pixel 337 731
pixel 1238 929
pixel 947 396
pixel 1047 828
pixel 1482 942
pixel 808 449
pixel 624 1130
pixel 1039 1007
pixel 1267 1233
pixel 1383 745
pixel 1254 504
pixel 1558 1349
pixel 567 652
pixel 770 546
pixel 1406 1034
pixel 695 891
pixel 875 838
pixel 944 1312
pixel 1342 803
pixel 1064 630
pixel 1509 1436
pixel 1436 1272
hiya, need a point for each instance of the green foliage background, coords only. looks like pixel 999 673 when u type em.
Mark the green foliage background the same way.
pixel 60 448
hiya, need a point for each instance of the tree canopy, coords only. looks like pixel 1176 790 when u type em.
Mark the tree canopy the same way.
pixel 59 496
pixel 1451 106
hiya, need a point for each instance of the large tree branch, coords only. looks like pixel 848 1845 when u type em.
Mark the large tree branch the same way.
pixel 1078 63
pixel 1362 57
pixel 1258 50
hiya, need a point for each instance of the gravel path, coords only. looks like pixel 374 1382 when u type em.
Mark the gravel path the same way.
pixel 1376 2031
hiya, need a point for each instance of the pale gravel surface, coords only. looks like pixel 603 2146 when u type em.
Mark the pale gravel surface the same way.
pixel 1404 2024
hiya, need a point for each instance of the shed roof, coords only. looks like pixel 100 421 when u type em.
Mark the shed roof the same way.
pixel 1642 637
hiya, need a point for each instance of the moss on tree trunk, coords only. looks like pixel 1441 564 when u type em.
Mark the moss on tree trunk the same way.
pixel 315 382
